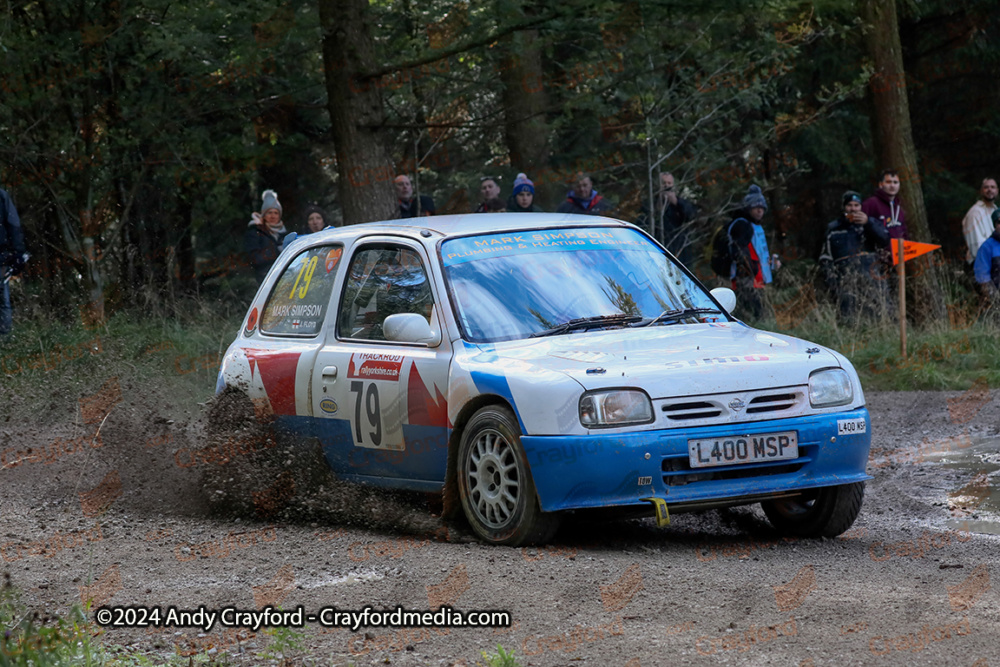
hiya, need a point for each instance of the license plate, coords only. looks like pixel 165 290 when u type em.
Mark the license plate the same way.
pixel 735 449
pixel 850 426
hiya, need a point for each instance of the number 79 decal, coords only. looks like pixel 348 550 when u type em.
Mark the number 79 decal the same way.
pixel 373 412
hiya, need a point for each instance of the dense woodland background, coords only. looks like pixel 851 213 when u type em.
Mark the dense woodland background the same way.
pixel 136 135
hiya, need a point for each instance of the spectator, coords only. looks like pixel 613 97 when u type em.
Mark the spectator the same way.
pixel 494 205
pixel 978 224
pixel 886 207
pixel 987 265
pixel 316 219
pixel 583 198
pixel 668 223
pixel 522 200
pixel 410 206
pixel 265 235
pixel 12 257
pixel 753 264
pixel 488 189
pixel 850 260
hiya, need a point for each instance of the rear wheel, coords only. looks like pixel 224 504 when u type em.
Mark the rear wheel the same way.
pixel 825 512
pixel 494 482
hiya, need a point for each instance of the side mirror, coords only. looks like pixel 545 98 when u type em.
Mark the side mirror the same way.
pixel 726 298
pixel 410 328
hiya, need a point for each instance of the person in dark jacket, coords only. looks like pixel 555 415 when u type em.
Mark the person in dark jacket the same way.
pixel 409 205
pixel 987 264
pixel 522 199
pixel 885 207
pixel 850 260
pixel 265 236
pixel 670 222
pixel 489 188
pixel 583 198
pixel 316 219
pixel 12 257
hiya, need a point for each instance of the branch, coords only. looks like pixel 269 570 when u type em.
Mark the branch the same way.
pixel 462 47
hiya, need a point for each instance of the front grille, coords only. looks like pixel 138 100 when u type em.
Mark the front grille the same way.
pixel 734 407
pixel 771 403
pixel 692 410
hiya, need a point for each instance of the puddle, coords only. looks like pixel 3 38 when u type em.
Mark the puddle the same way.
pixel 979 463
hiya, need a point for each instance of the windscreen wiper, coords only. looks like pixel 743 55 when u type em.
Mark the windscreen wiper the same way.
pixel 680 314
pixel 589 323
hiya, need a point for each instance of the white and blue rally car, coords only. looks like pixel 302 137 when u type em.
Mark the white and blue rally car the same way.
pixel 537 363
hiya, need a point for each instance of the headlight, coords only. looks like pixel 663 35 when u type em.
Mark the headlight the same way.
pixel 830 387
pixel 615 407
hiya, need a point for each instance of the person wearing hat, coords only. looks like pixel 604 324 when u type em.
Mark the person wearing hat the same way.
pixel 316 219
pixel 265 235
pixel 987 264
pixel 753 265
pixel 850 259
pixel 522 200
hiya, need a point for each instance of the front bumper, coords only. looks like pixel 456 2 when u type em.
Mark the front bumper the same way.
pixel 620 469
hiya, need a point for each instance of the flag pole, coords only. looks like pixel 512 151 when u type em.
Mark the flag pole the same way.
pixel 901 272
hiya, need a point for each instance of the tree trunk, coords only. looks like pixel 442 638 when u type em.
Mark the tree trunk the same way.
pixel 524 103
pixel 356 113
pixel 894 140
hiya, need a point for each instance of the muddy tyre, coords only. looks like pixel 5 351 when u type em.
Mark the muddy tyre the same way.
pixel 494 482
pixel 825 512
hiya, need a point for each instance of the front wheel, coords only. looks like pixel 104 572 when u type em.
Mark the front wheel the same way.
pixel 495 484
pixel 825 512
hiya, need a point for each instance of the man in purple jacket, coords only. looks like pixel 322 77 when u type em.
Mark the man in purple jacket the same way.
pixel 885 205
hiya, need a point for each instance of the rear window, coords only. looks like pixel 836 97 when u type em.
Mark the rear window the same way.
pixel 298 303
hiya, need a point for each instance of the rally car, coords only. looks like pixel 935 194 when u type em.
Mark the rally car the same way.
pixel 539 363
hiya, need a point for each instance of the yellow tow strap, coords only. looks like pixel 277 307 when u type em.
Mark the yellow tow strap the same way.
pixel 662 513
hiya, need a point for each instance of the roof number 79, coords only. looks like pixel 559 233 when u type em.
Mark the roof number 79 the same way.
pixel 308 268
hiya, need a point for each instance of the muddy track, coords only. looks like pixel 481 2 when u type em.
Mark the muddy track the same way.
pixel 130 504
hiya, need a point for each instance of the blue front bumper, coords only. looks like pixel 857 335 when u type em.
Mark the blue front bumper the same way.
pixel 619 469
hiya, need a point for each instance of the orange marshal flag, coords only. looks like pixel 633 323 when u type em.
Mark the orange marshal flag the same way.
pixel 911 249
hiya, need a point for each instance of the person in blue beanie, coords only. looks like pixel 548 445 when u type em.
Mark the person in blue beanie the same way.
pixel 754 267
pixel 522 199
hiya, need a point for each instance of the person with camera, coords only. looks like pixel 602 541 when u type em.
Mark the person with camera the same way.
pixel 850 260
pixel 671 220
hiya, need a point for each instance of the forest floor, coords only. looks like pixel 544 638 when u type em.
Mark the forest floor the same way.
pixel 107 503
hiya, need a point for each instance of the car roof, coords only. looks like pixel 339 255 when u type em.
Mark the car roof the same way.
pixel 473 223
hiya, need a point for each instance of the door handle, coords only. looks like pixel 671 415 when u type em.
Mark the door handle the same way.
pixel 330 372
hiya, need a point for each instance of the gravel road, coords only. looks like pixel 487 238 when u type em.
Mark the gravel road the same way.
pixel 110 506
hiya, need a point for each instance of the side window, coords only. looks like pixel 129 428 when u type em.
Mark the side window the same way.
pixel 382 281
pixel 297 303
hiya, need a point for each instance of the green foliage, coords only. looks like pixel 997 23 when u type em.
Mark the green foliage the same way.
pixel 501 659
pixel 283 643
pixel 27 638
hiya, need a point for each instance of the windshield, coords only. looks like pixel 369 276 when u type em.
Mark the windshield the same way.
pixel 514 285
